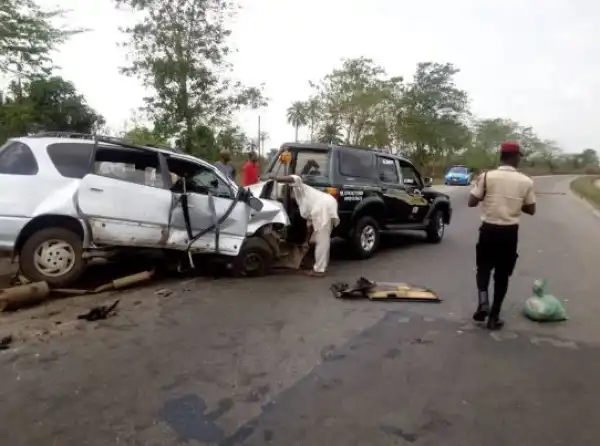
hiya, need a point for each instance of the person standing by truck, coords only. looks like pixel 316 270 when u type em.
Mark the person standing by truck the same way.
pixel 225 166
pixel 505 194
pixel 250 170
pixel 320 210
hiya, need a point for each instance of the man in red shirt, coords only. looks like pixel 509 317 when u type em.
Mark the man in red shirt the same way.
pixel 250 170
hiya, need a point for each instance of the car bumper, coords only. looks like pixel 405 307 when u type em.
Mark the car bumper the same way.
pixel 457 181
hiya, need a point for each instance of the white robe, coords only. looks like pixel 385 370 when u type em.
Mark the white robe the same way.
pixel 319 209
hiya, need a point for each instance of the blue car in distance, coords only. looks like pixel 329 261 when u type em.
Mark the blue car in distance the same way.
pixel 458 175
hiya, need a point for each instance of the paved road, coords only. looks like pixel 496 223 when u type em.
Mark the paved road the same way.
pixel 279 361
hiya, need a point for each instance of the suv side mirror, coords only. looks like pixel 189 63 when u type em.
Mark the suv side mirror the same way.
pixel 428 181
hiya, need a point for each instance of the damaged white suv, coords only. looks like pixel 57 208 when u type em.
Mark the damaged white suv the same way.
pixel 69 198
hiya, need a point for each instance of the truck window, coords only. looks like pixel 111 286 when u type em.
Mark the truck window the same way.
pixel 311 163
pixel 410 176
pixel 357 163
pixel 387 170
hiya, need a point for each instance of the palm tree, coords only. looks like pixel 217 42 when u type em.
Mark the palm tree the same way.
pixel 296 115
pixel 331 133
pixel 313 113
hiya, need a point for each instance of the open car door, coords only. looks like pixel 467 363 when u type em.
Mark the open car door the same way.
pixel 122 203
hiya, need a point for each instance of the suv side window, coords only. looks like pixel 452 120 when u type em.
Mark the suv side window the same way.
pixel 410 176
pixel 356 163
pixel 199 179
pixel 134 166
pixel 387 170
pixel 71 159
pixel 17 158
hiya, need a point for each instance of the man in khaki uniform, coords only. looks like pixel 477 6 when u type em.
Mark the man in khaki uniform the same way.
pixel 505 194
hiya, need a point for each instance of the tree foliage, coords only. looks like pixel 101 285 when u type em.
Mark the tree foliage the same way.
pixel 45 104
pixel 427 119
pixel 28 36
pixel 179 50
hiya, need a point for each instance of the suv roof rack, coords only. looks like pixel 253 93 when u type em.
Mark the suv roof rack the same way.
pixel 102 138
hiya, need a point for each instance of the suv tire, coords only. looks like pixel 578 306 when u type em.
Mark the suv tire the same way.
pixel 436 228
pixel 60 251
pixel 254 259
pixel 365 237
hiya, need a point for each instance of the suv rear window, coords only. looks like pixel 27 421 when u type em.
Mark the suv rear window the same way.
pixel 312 163
pixel 357 163
pixel 71 159
pixel 17 158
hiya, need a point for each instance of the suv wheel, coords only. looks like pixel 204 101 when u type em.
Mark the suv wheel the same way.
pixel 436 227
pixel 52 255
pixel 254 259
pixel 365 237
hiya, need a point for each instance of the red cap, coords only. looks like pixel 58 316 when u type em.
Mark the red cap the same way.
pixel 510 147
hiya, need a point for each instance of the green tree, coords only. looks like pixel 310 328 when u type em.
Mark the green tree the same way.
pixel 28 36
pixel 179 50
pixel 589 158
pixel 145 136
pixel 432 120
pixel 232 139
pixel 296 116
pixel 45 104
pixel 312 110
pixel 359 96
pixel 330 133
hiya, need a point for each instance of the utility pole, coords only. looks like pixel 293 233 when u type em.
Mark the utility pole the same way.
pixel 258 137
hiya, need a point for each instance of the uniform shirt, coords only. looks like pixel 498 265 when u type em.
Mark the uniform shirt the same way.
pixel 506 192
pixel 315 206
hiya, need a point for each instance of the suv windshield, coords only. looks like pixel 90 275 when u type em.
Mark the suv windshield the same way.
pixel 457 169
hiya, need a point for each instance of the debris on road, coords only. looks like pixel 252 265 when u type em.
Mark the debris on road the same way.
pixel 20 296
pixel 543 307
pixel 364 288
pixel 163 292
pixel 5 342
pixel 100 312
pixel 126 281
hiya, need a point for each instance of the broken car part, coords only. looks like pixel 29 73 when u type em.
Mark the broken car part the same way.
pixel 100 312
pixel 17 297
pixel 364 288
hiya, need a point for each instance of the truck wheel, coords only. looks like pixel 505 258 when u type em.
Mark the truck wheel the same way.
pixel 254 259
pixel 435 228
pixel 52 255
pixel 365 237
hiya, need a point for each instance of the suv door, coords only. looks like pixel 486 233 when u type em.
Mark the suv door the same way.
pixel 120 201
pixel 397 206
pixel 209 197
pixel 413 183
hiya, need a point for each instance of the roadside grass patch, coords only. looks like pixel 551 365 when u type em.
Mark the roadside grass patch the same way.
pixel 585 188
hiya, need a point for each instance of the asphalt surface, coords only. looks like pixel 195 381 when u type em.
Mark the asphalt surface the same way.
pixel 278 361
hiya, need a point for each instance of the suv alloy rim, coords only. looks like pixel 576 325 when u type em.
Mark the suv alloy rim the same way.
pixel 54 258
pixel 367 238
pixel 440 226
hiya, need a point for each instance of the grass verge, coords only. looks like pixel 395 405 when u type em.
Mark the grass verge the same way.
pixel 585 188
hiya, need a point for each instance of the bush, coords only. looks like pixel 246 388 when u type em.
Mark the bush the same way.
pixel 585 187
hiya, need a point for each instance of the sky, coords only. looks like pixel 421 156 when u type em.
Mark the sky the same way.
pixel 534 61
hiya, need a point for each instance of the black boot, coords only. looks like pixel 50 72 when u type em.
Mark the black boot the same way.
pixel 483 306
pixel 495 323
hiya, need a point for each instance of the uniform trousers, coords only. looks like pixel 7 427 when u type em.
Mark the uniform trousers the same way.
pixel 496 251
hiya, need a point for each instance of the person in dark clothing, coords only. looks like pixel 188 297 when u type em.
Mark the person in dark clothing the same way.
pixel 504 194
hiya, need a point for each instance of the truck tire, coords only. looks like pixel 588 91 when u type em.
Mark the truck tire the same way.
pixel 254 259
pixel 435 228
pixel 52 255
pixel 365 237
